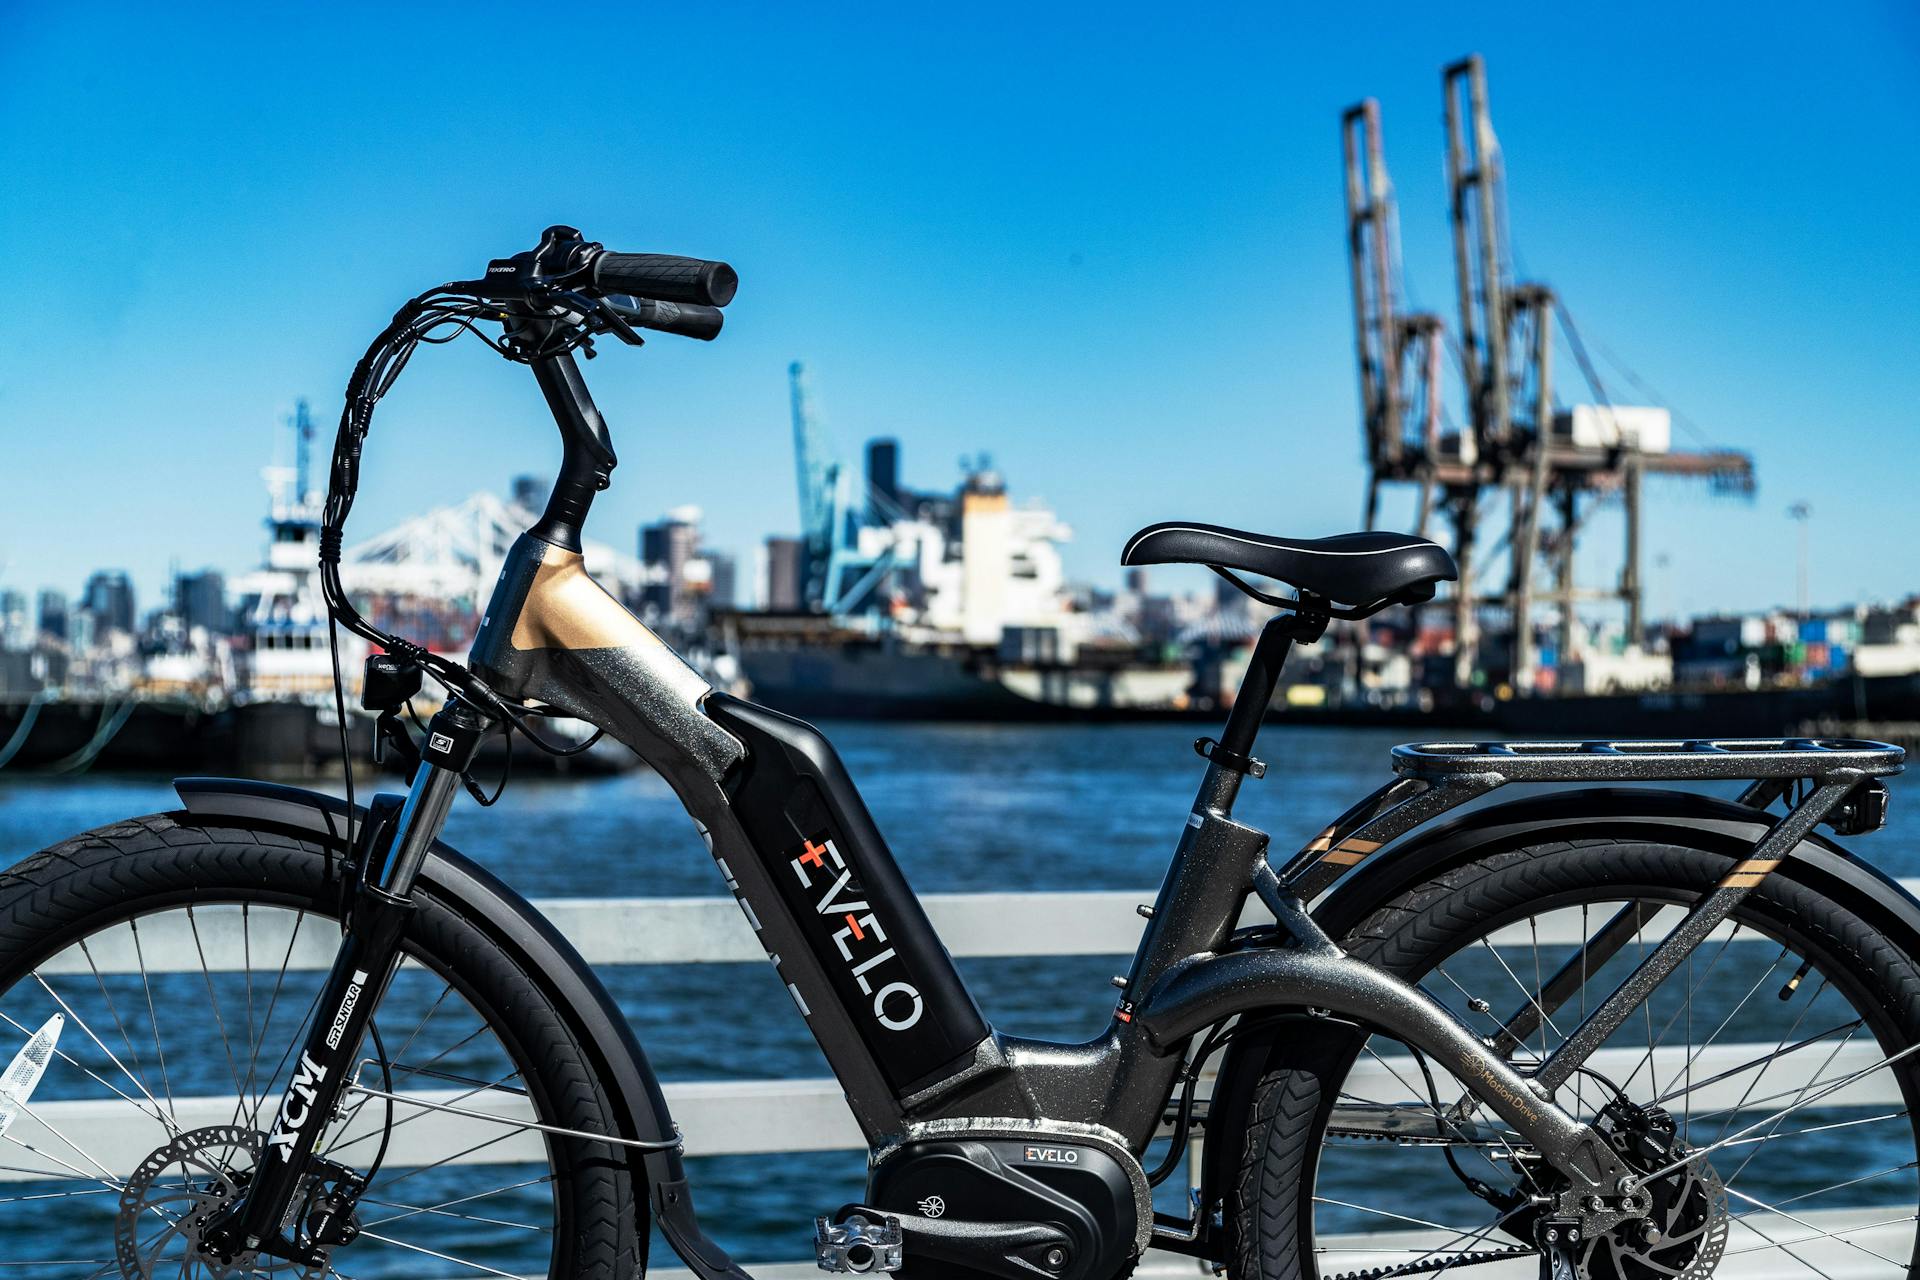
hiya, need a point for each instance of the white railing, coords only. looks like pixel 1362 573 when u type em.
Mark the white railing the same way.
pixel 763 1116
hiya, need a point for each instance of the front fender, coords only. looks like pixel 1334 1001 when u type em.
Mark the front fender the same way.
pixel 596 1023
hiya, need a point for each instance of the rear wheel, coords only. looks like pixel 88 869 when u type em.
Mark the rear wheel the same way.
pixel 182 964
pixel 1765 1075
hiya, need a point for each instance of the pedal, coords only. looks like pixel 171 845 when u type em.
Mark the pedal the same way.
pixel 858 1245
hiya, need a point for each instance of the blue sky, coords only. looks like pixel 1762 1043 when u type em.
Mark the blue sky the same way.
pixel 1102 243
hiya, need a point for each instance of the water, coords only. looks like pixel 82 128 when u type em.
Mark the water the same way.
pixel 965 807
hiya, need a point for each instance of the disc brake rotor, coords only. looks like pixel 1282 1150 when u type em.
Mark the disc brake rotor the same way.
pixel 1682 1238
pixel 167 1201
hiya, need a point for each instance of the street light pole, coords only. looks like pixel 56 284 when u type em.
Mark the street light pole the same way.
pixel 1800 512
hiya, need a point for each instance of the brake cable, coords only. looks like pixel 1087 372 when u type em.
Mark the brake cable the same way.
pixel 417 321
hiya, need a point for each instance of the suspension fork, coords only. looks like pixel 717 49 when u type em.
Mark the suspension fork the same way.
pixel 369 955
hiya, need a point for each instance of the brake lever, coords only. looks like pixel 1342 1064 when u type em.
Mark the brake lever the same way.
pixel 597 316
pixel 618 326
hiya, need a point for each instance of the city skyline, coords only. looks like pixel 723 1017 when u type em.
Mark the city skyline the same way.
pixel 1134 300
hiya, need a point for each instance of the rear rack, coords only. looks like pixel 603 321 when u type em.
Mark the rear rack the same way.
pixel 1649 760
pixel 1435 777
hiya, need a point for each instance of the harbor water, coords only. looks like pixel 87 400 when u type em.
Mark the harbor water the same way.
pixel 978 808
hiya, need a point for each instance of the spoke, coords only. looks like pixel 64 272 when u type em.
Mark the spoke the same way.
pixel 153 1018
pixel 446 989
pixel 334 1151
pixel 1802 1222
pixel 414 1210
pixel 1646 1009
pixel 1525 993
pixel 273 1001
pixel 1854 1182
pixel 286 1054
pixel 1417 1095
pixel 479 1195
pixel 1753 1062
pixel 76 1171
pixel 1771 1243
pixel 458 1262
pixel 112 1007
pixel 1475 1238
pixel 1817 1128
pixel 1760 1231
pixel 1466 994
pixel 1755 1082
pixel 1827 1089
pixel 1384 1213
pixel 445 1160
pixel 67 1058
pixel 1686 1007
pixel 213 999
pixel 246 971
pixel 1742 1166
pixel 58 1195
pixel 1756 1103
pixel 1539 979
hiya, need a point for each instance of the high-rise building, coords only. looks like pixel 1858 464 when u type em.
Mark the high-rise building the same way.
pixel 109 598
pixel 883 480
pixel 786 575
pixel 15 632
pixel 722 579
pixel 53 614
pixel 201 601
pixel 667 549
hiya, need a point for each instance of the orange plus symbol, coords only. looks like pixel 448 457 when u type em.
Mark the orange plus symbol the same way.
pixel 812 853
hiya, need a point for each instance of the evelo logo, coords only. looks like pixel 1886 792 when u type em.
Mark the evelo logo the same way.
pixel 861 940
pixel 1050 1155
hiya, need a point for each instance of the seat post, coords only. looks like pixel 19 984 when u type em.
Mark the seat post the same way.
pixel 1256 687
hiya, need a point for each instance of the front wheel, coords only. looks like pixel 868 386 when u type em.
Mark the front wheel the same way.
pixel 178 965
pixel 1766 1076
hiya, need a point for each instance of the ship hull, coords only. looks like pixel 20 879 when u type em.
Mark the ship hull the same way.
pixel 872 682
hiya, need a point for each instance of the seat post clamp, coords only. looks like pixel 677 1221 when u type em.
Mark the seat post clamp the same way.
pixel 1210 750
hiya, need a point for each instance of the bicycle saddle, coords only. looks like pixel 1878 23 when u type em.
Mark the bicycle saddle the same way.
pixel 1350 569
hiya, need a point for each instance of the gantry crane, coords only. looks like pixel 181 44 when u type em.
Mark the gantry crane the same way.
pixel 1518 439
pixel 1399 353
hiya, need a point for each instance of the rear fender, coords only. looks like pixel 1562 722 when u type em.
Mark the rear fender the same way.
pixel 1679 818
pixel 596 1023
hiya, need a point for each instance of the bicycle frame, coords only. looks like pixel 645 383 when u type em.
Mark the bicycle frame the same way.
pixel 816 882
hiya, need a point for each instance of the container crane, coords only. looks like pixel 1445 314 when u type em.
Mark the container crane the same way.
pixel 1548 459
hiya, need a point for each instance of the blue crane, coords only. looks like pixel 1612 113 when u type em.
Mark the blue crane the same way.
pixel 839 577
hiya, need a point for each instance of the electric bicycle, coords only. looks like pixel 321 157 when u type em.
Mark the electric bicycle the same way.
pixel 1606 1032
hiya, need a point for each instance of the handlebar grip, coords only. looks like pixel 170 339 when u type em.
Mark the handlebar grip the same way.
pixel 688 319
pixel 666 277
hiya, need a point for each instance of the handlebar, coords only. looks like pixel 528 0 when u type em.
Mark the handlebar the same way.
pixel 667 278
